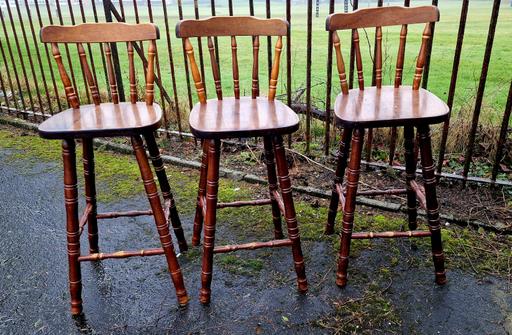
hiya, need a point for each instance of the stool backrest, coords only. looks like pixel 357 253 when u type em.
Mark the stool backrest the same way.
pixel 379 17
pixel 233 26
pixel 104 34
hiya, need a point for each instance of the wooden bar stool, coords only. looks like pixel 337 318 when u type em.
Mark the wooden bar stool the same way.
pixel 235 117
pixel 133 119
pixel 386 106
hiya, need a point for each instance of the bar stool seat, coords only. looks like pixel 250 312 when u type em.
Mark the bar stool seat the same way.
pixel 389 106
pixel 244 117
pixel 105 119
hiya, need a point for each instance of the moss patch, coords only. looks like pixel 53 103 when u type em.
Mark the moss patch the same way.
pixel 240 266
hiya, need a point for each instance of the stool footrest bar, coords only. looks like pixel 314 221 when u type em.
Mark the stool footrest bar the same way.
pixel 252 246
pixel 113 215
pixel 391 234
pixel 121 254
pixel 258 202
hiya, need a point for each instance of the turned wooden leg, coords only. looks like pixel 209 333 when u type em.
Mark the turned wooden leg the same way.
pixel 212 187
pixel 338 179
pixel 354 167
pixel 290 216
pixel 72 225
pixel 90 194
pixel 160 219
pixel 272 185
pixel 410 175
pixel 158 164
pixel 427 164
pixel 198 219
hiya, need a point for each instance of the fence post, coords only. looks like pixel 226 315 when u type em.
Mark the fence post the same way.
pixel 107 5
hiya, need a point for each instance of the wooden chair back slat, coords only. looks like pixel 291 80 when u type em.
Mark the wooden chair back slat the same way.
pixel 215 68
pixel 131 70
pixel 234 64
pixel 378 57
pixel 255 67
pixel 231 26
pixel 401 56
pixel 340 63
pixel 359 60
pixel 66 81
pixel 272 88
pixel 420 62
pixel 91 82
pixel 379 17
pixel 99 33
pixel 110 72
pixel 196 75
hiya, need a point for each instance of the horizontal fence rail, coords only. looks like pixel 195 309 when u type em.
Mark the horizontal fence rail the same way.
pixel 31 90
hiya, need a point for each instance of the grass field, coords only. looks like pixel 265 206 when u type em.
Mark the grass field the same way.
pixel 500 69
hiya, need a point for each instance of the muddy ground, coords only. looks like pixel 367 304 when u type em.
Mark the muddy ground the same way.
pixel 391 287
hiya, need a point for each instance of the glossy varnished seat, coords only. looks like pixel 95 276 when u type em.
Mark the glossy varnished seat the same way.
pixel 389 106
pixel 244 117
pixel 123 119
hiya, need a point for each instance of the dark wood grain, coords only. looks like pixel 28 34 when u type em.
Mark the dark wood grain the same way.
pixel 231 26
pixel 99 33
pixel 246 117
pixel 381 16
pixel 389 106
pixel 107 119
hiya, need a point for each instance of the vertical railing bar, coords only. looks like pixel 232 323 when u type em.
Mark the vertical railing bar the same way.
pixel 2 86
pixel 159 73
pixel 185 60
pixel 30 60
pixel 121 9
pixel 71 70
pixel 199 44
pixel 107 7
pixel 269 40
pixel 308 75
pixel 251 7
pixel 171 63
pixel 73 22
pixel 215 40
pixel 230 7
pixel 481 88
pixel 394 131
pixel 9 79
pixel 49 60
pixel 89 49
pixel 22 61
pixel 288 58
pixel 103 62
pixel 453 82
pixel 426 68
pixel 137 20
pixel 503 135
pixel 38 54
pixel 355 5
pixel 327 139
pixel 369 141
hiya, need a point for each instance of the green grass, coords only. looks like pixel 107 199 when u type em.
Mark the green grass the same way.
pixel 441 63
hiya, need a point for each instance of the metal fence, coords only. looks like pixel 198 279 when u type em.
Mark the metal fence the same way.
pixel 31 89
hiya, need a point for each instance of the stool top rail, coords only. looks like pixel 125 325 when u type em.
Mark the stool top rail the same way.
pixel 100 33
pixel 231 26
pixel 381 16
